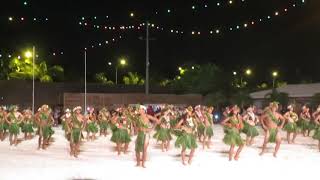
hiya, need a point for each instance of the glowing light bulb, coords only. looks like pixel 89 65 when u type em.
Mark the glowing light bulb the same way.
pixel 131 14
pixel 217 31
pixel 10 18
pixel 276 13
pixel 230 2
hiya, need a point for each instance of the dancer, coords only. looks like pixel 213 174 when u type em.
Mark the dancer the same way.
pixel 272 122
pixel 187 138
pixel 45 121
pixel 208 126
pixel 233 125
pixel 163 132
pixel 291 126
pixel 28 121
pixel 66 120
pixel 120 135
pixel 249 121
pixel 201 123
pixel 144 127
pixel 92 127
pixel 317 129
pixel 313 124
pixel 304 122
pixel 76 125
pixel 3 123
pixel 14 118
pixel 103 119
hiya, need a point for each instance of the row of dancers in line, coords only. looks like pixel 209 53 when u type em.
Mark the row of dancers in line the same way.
pixel 190 125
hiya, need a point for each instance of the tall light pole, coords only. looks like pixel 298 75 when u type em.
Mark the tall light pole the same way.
pixel 147 60
pixel 274 76
pixel 122 62
pixel 85 82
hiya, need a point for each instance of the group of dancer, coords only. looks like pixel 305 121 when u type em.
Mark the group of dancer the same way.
pixel 190 125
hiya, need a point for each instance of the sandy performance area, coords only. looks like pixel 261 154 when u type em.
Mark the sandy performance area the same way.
pixel 98 160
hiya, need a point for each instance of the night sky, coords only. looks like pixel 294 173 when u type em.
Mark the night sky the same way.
pixel 289 42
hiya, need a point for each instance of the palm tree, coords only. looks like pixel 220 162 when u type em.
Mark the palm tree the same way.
pixel 241 98
pixel 102 78
pixel 133 79
pixel 281 97
pixel 23 69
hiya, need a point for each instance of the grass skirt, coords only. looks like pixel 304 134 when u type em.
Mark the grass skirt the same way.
pixel 140 142
pixel 312 126
pixel 201 129
pixel 272 135
pixel 120 136
pixel 47 131
pixel 163 134
pixel 103 126
pixel 303 124
pixel 250 131
pixel 4 126
pixel 174 122
pixel 186 141
pixel 75 135
pixel 92 127
pixel 209 131
pixel 27 128
pixel 14 129
pixel 291 127
pixel 232 137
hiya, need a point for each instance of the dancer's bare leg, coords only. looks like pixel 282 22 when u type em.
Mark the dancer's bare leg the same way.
pixel 119 148
pixel 138 158
pixel 236 157
pixel 231 152
pixel 183 156
pixel 288 138
pixel 191 155
pixel 278 143
pixel 265 142
pixel 294 137
pixel 126 146
pixel 144 154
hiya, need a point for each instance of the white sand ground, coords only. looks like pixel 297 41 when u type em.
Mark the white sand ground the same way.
pixel 99 161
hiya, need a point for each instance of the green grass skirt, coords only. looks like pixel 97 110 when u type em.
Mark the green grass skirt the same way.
pixel 272 135
pixel 64 125
pixel 92 127
pixel 103 125
pixel 140 142
pixel 163 134
pixel 4 126
pixel 312 126
pixel 201 129
pixel 186 141
pixel 14 129
pixel 27 128
pixel 120 136
pixel 209 131
pixel 303 124
pixel 250 131
pixel 173 123
pixel 232 137
pixel 75 135
pixel 291 127
pixel 47 131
